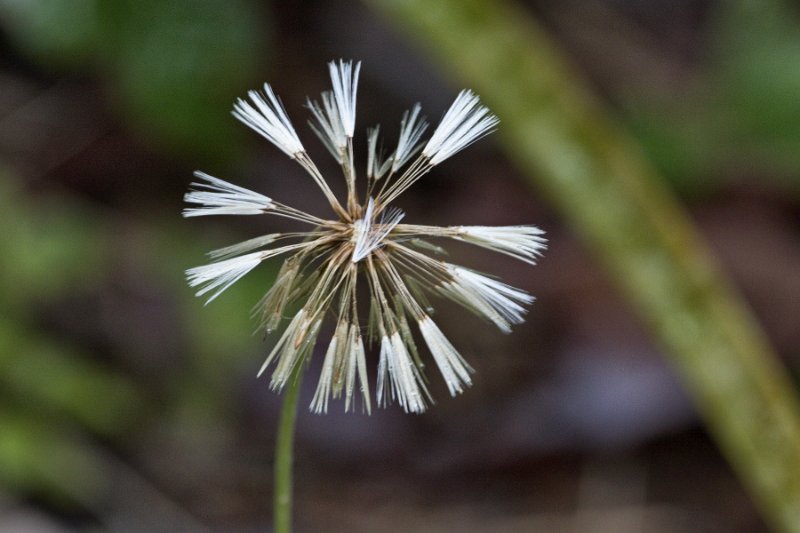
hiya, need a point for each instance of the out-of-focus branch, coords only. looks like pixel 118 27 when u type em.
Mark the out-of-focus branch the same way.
pixel 556 131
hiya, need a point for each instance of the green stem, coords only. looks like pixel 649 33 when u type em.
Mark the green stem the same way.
pixel 284 451
pixel 556 130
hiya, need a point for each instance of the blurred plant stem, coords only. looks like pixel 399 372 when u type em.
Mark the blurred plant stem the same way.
pixel 559 133
pixel 284 454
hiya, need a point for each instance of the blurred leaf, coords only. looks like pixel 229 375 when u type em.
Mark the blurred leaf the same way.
pixel 52 245
pixel 683 145
pixel 179 64
pixel 175 65
pixel 48 246
pixel 36 455
pixel 758 80
pixel 743 115
pixel 62 33
pixel 748 116
pixel 51 378
pixel 759 44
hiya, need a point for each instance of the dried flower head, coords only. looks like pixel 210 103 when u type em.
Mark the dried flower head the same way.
pixel 367 240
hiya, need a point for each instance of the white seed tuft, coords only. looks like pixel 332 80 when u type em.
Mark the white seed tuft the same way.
pixel 406 382
pixel 267 117
pixel 495 300
pixel 327 125
pixel 465 122
pixel 452 366
pixel 345 87
pixel 223 198
pixel 219 276
pixel 377 164
pixel 411 129
pixel 523 242
pixel 319 404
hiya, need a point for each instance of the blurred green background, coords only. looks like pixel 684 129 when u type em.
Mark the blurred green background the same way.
pixel 127 405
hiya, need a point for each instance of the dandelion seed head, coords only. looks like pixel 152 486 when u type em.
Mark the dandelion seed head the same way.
pixel 364 244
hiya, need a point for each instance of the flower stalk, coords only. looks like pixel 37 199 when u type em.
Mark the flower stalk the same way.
pixel 284 456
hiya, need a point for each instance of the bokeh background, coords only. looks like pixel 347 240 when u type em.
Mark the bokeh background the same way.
pixel 127 405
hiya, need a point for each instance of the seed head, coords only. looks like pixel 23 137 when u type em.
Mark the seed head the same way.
pixel 365 240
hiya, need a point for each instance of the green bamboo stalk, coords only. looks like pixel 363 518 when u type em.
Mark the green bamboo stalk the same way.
pixel 561 136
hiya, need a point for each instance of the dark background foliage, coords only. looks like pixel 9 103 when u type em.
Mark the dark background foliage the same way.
pixel 127 405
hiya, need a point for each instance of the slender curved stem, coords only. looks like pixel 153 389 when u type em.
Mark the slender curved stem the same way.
pixel 556 130
pixel 284 455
